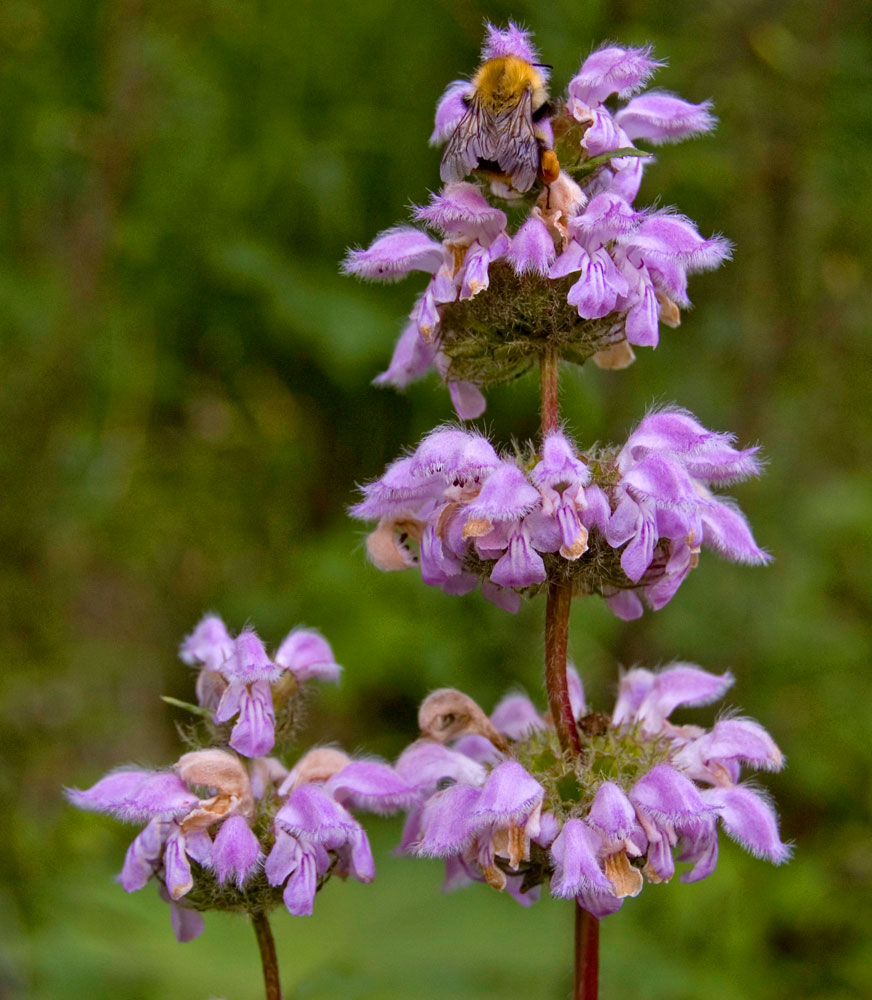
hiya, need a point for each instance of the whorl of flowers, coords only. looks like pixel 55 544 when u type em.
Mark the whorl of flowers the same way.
pixel 627 524
pixel 230 832
pixel 584 272
pixel 502 804
pixel 238 680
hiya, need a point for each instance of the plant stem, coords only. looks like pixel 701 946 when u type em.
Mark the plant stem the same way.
pixel 557 608
pixel 548 385
pixel 266 944
pixel 586 956
pixel 559 593
pixel 556 636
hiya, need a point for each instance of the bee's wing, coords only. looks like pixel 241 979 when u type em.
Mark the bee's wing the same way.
pixel 518 148
pixel 472 140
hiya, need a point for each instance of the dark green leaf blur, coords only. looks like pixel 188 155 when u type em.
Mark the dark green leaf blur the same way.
pixel 186 408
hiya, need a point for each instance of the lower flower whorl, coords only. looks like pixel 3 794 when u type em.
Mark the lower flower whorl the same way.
pixel 644 794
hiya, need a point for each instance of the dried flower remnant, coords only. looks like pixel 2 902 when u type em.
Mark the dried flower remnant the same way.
pixel 520 812
pixel 447 714
pixel 627 524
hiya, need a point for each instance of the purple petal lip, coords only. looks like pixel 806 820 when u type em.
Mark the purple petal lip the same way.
pixel 549 828
pixel 412 357
pixel 606 216
pixel 254 733
pixel 307 654
pixel 356 859
pixel 601 135
pixel 283 858
pixel 521 565
pixel 311 814
pixel 365 784
pixel 612 70
pixel 425 763
pixel 598 903
pixel 576 692
pixel 446 824
pixel 700 848
pixel 454 455
pixel 394 254
pixel 750 820
pixel 516 717
pixel 707 455
pixel 462 209
pixel 532 248
pixel 299 894
pixel 671 236
pixel 479 749
pixel 136 796
pixel 198 847
pixel 660 117
pixel 668 796
pixel 570 260
pixel 187 924
pixel 504 598
pixel 450 109
pixel 177 869
pixel 209 643
pixel 235 851
pixel 682 684
pixel 559 463
pixel 143 855
pixel 510 41
pixel 249 661
pixel 742 739
pixel 611 813
pixel 576 868
pixel 467 399
pixel 626 605
pixel 505 496
pixel 509 794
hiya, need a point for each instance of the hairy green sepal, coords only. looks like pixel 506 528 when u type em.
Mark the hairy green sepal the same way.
pixel 500 333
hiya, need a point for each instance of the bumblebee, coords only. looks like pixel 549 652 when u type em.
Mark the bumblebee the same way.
pixel 498 135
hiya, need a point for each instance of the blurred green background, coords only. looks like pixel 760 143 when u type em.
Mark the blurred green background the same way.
pixel 186 410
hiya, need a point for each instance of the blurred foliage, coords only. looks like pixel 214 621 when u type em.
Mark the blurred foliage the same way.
pixel 186 410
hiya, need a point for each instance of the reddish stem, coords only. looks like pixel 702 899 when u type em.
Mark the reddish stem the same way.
pixel 549 384
pixel 267 946
pixel 559 593
pixel 586 956
pixel 557 608
pixel 556 637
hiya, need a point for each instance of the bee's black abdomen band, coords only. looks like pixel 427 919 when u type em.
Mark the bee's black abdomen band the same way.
pixel 543 111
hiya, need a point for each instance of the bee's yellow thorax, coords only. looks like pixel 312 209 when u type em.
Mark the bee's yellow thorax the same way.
pixel 500 84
